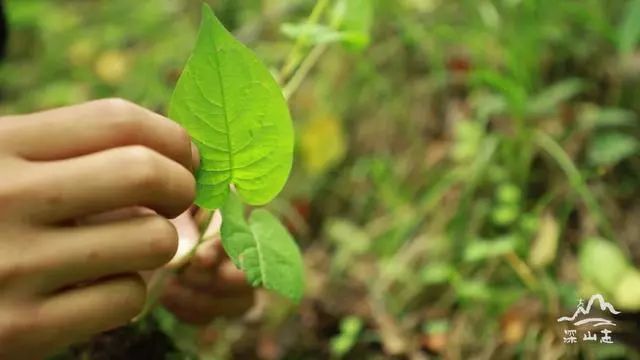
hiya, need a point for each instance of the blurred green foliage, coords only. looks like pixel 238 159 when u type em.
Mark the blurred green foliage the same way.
pixel 466 170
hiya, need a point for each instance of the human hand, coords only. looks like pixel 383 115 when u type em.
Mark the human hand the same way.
pixel 209 286
pixel 61 282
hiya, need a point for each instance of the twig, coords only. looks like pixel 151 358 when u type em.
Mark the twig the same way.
pixel 307 64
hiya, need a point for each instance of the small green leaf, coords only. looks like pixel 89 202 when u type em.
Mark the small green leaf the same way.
pixel 315 33
pixel 473 290
pixel 509 193
pixel 627 293
pixel 594 118
pixel 485 249
pixel 629 31
pixel 609 148
pixel 547 100
pixel 514 93
pixel 236 114
pixel 263 249
pixel 354 18
pixel 342 343
pixel 437 273
pixel 602 263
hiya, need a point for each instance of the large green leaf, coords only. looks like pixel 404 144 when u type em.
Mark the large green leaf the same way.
pixel 263 249
pixel 236 114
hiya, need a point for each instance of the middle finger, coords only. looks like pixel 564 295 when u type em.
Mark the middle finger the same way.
pixel 95 251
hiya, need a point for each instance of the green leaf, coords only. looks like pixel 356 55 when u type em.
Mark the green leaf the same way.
pixel 594 117
pixel 484 249
pixel 236 114
pixel 473 290
pixel 627 293
pixel 610 148
pixel 263 249
pixel 602 263
pixel 350 328
pixel 315 33
pixel 436 326
pixel 437 273
pixel 513 92
pixel 509 193
pixel 629 31
pixel 547 100
pixel 354 18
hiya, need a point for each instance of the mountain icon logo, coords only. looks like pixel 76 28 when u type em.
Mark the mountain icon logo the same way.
pixel 581 315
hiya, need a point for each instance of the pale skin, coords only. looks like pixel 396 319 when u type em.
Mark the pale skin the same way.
pixel 68 271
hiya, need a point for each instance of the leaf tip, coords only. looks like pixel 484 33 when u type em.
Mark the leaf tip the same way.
pixel 206 9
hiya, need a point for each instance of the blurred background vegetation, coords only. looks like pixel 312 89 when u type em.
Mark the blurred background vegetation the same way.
pixel 465 170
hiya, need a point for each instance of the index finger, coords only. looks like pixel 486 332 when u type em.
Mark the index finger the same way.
pixel 92 127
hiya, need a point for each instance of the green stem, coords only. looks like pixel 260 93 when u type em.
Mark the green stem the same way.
pixel 575 179
pixel 307 64
pixel 296 55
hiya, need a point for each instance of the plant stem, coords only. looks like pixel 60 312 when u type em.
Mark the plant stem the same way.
pixel 202 228
pixel 295 55
pixel 307 64
pixel 575 179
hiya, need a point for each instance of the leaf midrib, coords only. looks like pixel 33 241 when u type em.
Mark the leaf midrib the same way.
pixel 262 264
pixel 224 110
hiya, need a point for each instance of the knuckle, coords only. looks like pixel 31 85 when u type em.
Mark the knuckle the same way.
pixel 122 118
pixel 182 199
pixel 12 272
pixel 181 145
pixel 183 139
pixel 144 169
pixel 134 296
pixel 116 107
pixel 163 242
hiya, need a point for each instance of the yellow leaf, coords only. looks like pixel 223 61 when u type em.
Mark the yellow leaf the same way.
pixel 322 144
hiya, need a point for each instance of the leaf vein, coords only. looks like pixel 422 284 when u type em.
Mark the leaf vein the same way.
pixel 226 112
